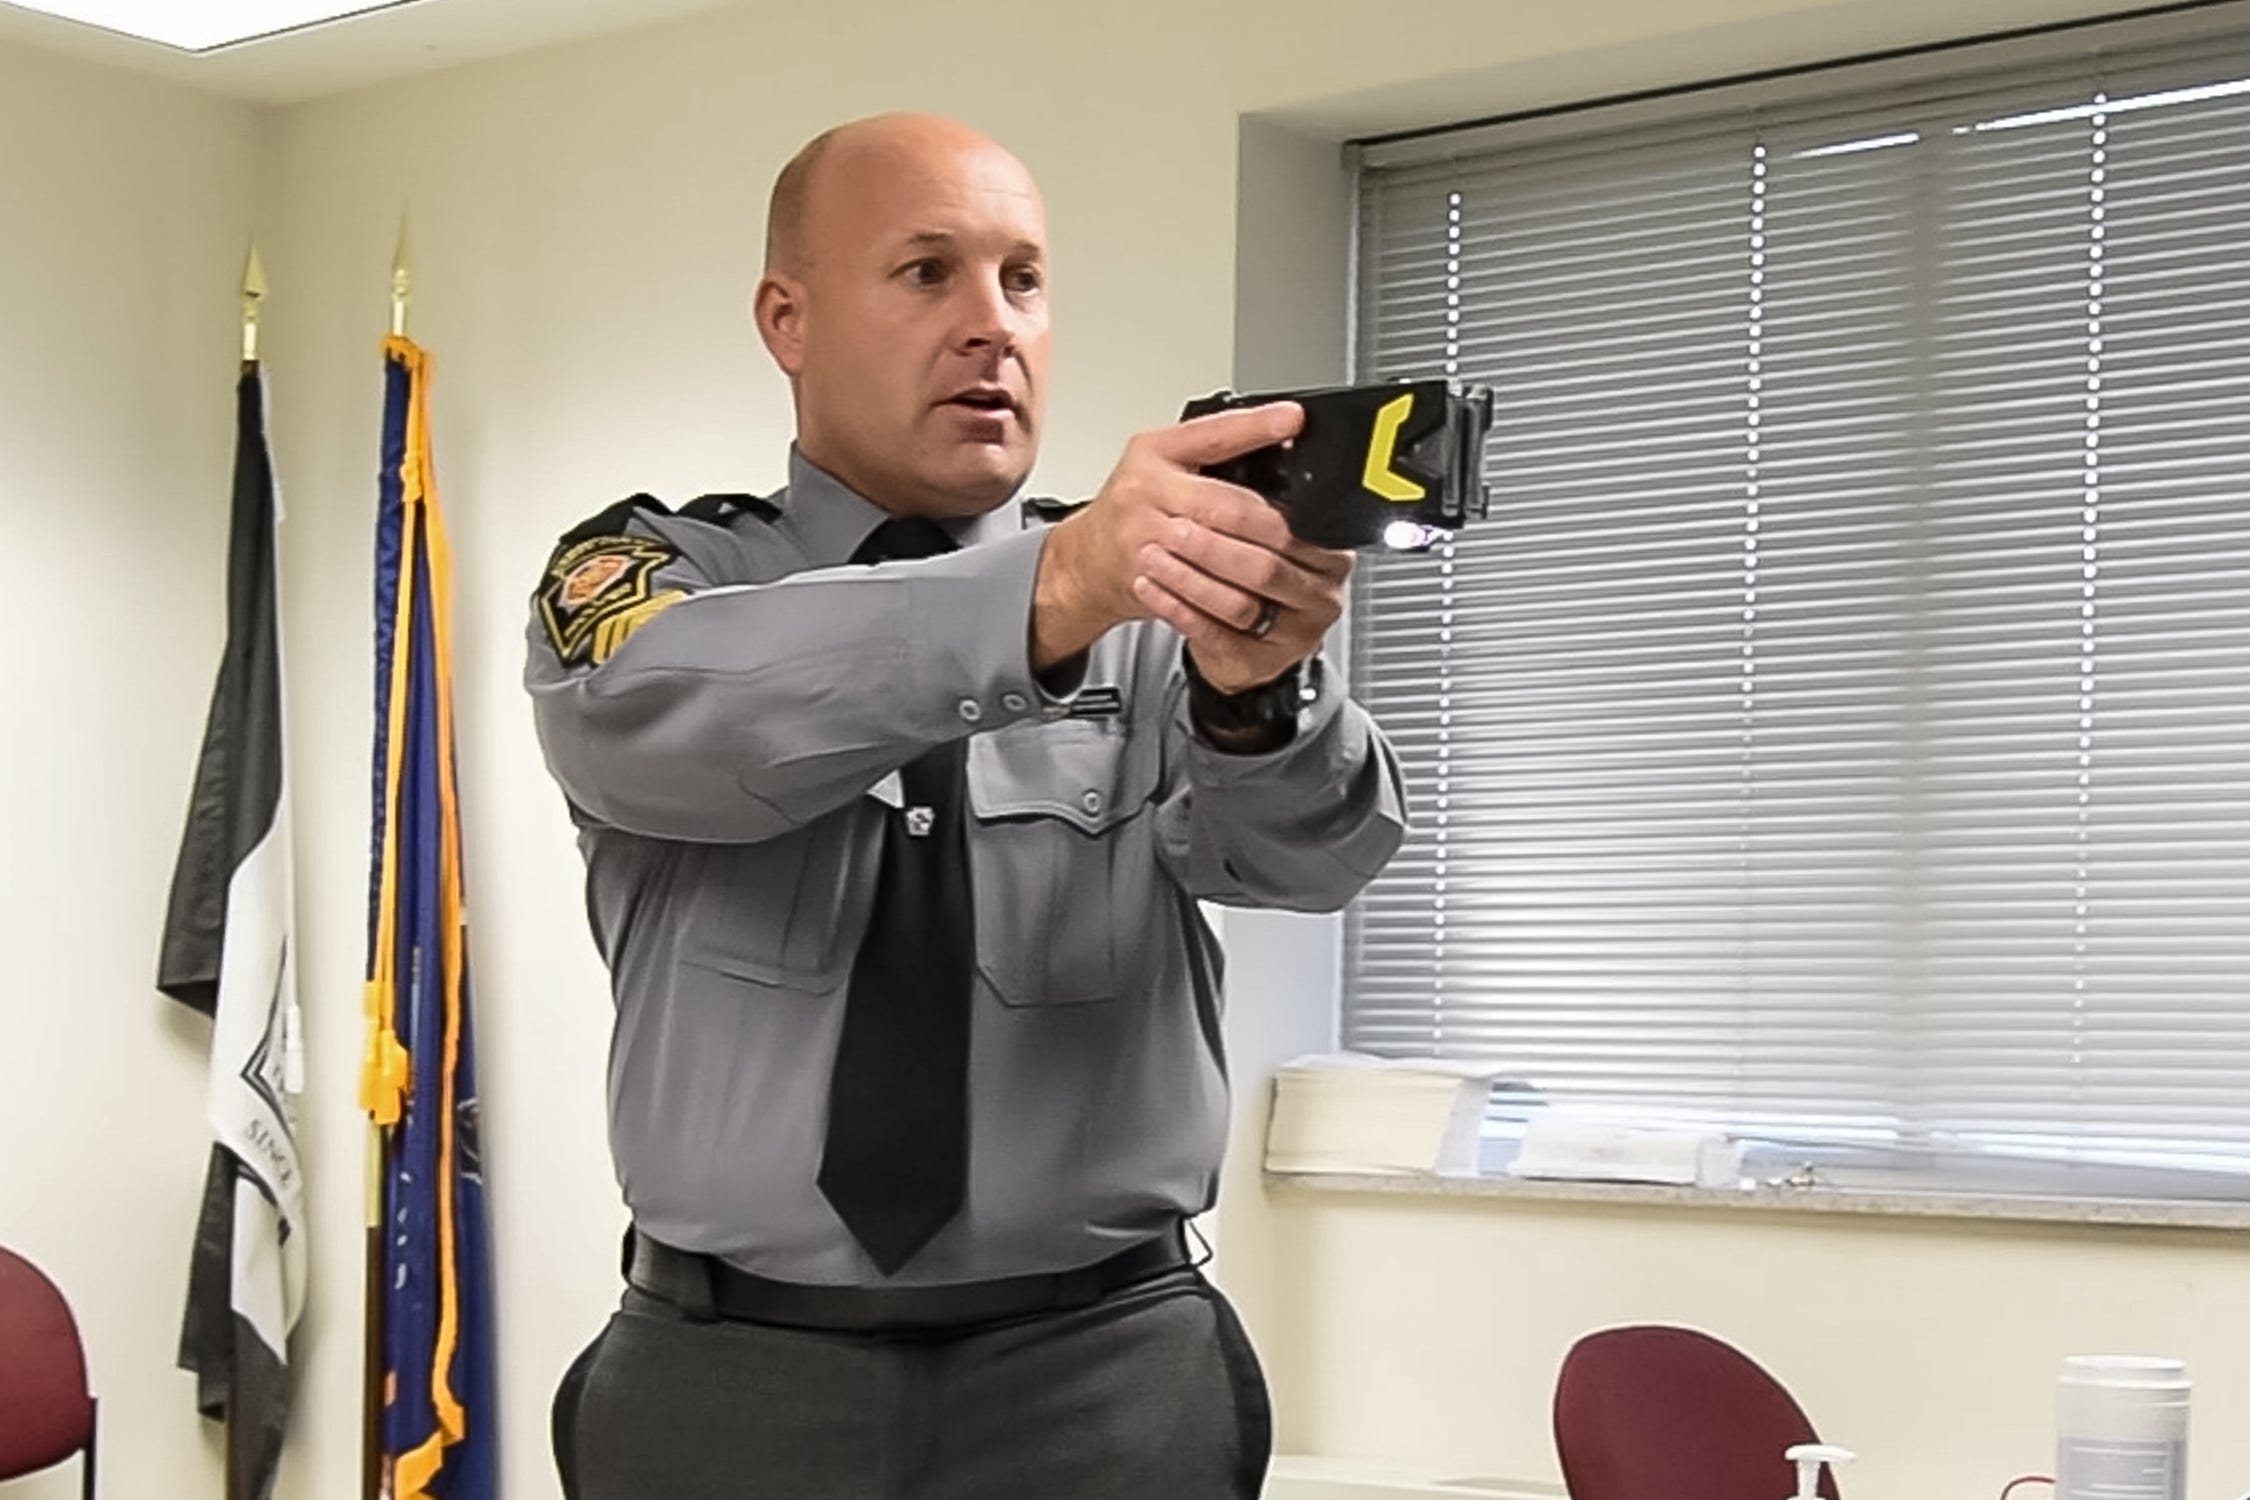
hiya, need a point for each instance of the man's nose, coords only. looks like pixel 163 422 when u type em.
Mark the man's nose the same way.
pixel 990 317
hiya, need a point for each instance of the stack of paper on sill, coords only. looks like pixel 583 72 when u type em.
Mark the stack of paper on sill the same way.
pixel 1349 1112
pixel 1580 1148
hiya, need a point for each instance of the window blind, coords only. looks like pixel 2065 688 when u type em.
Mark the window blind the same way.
pixel 1840 730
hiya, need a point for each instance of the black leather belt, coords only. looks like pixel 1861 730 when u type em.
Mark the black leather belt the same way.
pixel 704 1288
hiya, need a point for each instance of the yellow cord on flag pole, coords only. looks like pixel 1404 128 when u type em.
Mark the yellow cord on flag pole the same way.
pixel 402 282
pixel 253 292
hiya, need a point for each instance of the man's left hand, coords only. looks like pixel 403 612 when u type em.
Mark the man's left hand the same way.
pixel 1247 611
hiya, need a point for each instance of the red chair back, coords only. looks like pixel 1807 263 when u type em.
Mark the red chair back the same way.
pixel 46 1412
pixel 1657 1413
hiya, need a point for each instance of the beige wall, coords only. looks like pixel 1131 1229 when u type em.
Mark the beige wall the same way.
pixel 124 213
pixel 585 222
pixel 1433 1330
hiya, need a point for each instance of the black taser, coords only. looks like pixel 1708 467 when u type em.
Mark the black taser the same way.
pixel 1398 465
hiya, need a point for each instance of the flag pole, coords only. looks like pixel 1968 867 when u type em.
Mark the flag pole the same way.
pixel 371 1464
pixel 253 293
pixel 371 1377
pixel 402 281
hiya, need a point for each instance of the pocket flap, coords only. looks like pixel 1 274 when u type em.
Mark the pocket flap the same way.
pixel 1083 771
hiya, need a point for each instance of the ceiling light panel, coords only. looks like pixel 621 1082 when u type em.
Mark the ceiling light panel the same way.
pixel 203 25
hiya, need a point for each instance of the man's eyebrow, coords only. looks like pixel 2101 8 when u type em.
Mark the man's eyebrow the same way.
pixel 938 239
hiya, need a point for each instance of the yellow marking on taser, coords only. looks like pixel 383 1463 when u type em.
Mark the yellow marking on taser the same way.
pixel 1379 478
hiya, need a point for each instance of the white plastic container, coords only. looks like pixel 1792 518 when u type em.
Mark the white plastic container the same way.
pixel 2121 1428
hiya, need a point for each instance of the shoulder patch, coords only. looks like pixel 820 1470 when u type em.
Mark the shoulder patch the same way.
pixel 591 583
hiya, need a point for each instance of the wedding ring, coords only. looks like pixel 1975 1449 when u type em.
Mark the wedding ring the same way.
pixel 1268 613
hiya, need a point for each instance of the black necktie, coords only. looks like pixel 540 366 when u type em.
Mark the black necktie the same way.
pixel 896 1160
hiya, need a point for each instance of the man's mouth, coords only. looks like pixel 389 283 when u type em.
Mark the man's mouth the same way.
pixel 991 400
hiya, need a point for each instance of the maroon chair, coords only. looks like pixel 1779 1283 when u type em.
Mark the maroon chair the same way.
pixel 1655 1413
pixel 46 1412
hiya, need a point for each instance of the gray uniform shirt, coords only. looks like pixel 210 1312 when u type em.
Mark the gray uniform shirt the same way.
pixel 725 737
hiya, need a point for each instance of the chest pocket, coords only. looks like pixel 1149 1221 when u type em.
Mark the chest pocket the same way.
pixel 1058 835
pixel 773 913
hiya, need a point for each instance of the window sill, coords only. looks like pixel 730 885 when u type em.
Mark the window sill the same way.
pixel 2145 1213
pixel 1308 1477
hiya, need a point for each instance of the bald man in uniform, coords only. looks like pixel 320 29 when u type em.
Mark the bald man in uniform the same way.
pixel 898 795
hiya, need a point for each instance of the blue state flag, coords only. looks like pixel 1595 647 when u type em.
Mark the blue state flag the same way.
pixel 429 1300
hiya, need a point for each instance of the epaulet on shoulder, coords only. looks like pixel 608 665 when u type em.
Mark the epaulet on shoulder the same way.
pixel 610 521
pixel 721 508
pixel 716 510
pixel 1044 510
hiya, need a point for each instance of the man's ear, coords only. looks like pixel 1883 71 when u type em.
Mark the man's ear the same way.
pixel 778 308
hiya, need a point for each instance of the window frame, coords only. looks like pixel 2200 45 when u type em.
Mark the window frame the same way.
pixel 1933 74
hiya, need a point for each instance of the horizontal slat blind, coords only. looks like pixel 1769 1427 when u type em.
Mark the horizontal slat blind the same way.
pixel 1840 729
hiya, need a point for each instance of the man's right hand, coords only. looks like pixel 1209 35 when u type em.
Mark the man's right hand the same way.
pixel 1087 571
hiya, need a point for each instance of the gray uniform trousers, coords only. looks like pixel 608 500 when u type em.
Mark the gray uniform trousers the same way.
pixel 1152 1393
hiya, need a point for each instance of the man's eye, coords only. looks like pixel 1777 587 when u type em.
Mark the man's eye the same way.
pixel 1025 282
pixel 925 272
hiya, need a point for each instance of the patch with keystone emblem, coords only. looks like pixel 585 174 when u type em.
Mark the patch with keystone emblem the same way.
pixel 598 591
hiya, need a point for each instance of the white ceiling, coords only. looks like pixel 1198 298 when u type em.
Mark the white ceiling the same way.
pixel 419 37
